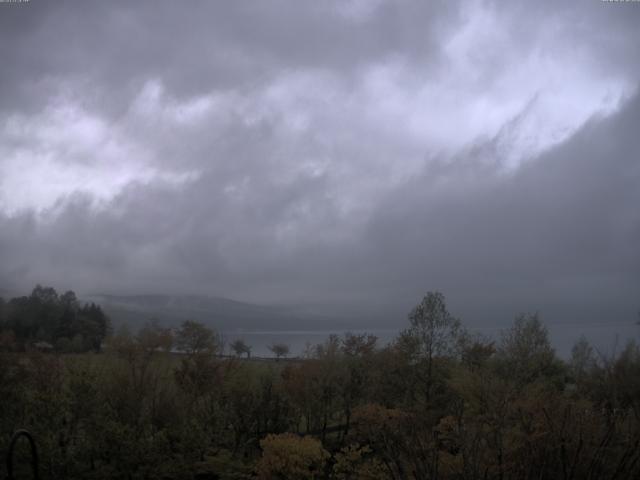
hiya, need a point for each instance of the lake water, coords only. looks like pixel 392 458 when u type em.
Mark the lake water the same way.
pixel 606 338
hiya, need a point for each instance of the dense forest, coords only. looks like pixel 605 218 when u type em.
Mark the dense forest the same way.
pixel 436 402
pixel 50 321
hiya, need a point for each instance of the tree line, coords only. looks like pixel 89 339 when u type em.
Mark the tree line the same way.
pixel 436 403
pixel 49 321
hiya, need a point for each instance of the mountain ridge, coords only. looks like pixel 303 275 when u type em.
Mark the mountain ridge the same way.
pixel 218 312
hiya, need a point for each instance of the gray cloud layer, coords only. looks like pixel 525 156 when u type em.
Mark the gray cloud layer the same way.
pixel 333 153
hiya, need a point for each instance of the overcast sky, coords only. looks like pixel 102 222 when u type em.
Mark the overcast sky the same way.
pixel 337 153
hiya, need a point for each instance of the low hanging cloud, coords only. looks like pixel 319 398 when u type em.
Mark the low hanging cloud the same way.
pixel 339 153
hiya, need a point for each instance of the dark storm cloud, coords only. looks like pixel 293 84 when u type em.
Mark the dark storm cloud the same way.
pixel 563 228
pixel 345 153
pixel 202 45
pixel 566 225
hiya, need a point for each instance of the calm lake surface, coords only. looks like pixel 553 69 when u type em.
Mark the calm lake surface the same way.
pixel 607 338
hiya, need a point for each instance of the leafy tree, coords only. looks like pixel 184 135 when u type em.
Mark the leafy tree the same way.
pixel 195 338
pixel 358 345
pixel 44 295
pixel 70 301
pixel 525 353
pixel 582 360
pixel 355 461
pixel 404 445
pixel 433 333
pixel 241 348
pixel 292 457
pixel 476 351
pixel 199 372
pixel 94 325
pixel 355 371
pixel 280 350
pixel 434 328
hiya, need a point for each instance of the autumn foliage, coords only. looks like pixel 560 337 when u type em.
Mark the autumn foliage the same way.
pixel 436 403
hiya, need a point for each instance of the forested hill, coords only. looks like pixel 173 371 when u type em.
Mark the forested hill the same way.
pixel 219 313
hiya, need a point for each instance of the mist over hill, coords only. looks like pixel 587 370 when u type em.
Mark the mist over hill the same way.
pixel 220 313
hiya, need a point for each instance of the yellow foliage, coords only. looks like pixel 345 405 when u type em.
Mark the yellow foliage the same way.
pixel 288 456
pixel 354 463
